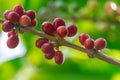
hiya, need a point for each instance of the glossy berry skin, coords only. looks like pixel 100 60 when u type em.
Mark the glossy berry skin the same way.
pixel 39 42
pixel 89 43
pixel 59 58
pixel 72 30
pixel 24 20
pixel 47 48
pixel 100 43
pixel 58 22
pixel 50 55
pixel 12 41
pixel 13 16
pixel 48 28
pixel 61 31
pixel 7 26
pixel 31 14
pixel 33 23
pixel 6 13
pixel 19 9
pixel 83 37
pixel 12 32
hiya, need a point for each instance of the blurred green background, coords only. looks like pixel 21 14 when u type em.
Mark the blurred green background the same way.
pixel 77 66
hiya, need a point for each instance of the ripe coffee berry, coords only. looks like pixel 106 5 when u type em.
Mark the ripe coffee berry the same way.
pixel 31 14
pixel 59 58
pixel 12 41
pixel 7 26
pixel 47 48
pixel 50 55
pixel 61 31
pixel 13 16
pixel 89 43
pixel 33 23
pixel 100 43
pixel 12 32
pixel 40 42
pixel 19 9
pixel 6 13
pixel 24 20
pixel 48 28
pixel 83 37
pixel 58 22
pixel 72 30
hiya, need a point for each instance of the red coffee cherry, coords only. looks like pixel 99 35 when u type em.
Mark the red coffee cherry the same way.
pixel 7 26
pixel 33 23
pixel 89 43
pixel 50 55
pixel 61 31
pixel 40 42
pixel 100 43
pixel 48 28
pixel 24 20
pixel 12 32
pixel 47 47
pixel 72 30
pixel 59 58
pixel 83 37
pixel 58 22
pixel 13 16
pixel 19 9
pixel 6 13
pixel 31 14
pixel 12 41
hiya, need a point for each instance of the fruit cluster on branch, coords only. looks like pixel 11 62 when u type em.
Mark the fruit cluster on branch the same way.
pixel 89 43
pixel 18 20
pixel 14 20
pixel 59 30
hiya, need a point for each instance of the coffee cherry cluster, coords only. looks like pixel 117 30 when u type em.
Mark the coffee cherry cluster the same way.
pixel 15 19
pixel 58 30
pixel 49 51
pixel 89 43
pixel 58 27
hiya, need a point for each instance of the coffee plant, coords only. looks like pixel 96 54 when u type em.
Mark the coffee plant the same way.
pixel 18 21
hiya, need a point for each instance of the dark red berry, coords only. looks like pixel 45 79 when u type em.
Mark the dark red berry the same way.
pixel 12 32
pixel 33 23
pixel 40 42
pixel 31 14
pixel 47 47
pixel 61 31
pixel 50 55
pixel 19 9
pixel 13 16
pixel 58 22
pixel 83 37
pixel 48 28
pixel 6 13
pixel 89 43
pixel 72 30
pixel 59 58
pixel 24 20
pixel 12 41
pixel 100 43
pixel 7 26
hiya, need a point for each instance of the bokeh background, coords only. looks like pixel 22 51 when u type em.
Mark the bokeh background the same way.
pixel 26 62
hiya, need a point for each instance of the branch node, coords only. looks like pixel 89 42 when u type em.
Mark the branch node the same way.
pixel 92 53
